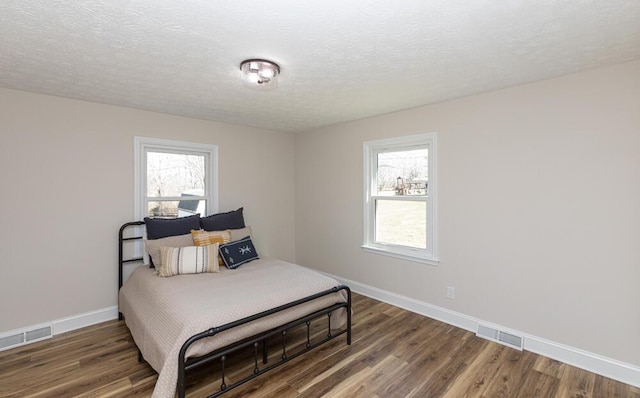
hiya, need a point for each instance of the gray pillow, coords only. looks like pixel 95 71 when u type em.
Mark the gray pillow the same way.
pixel 153 246
pixel 237 234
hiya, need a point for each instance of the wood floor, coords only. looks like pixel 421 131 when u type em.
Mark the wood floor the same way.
pixel 395 353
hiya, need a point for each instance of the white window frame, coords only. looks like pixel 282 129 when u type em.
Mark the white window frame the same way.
pixel 371 149
pixel 142 145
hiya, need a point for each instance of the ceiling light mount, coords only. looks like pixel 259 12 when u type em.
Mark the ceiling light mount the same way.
pixel 260 73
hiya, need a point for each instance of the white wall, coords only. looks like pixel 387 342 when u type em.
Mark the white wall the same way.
pixel 66 171
pixel 539 195
pixel 539 208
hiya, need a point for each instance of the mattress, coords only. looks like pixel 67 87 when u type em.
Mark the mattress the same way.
pixel 162 313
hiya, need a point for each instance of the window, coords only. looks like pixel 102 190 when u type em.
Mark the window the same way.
pixel 174 178
pixel 400 197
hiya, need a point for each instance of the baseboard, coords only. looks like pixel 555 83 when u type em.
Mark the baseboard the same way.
pixel 611 368
pixel 58 326
pixel 614 369
pixel 83 320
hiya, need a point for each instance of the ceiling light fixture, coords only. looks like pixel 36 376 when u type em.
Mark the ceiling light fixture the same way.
pixel 260 73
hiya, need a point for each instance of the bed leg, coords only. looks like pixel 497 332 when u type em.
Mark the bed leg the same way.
pixel 256 370
pixel 140 358
pixel 348 316
pixel 223 360
pixel 284 345
pixel 181 375
pixel 265 351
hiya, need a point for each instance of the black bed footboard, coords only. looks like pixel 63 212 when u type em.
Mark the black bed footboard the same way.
pixel 256 341
pixel 221 354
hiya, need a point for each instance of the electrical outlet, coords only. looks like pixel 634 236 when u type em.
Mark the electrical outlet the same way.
pixel 451 292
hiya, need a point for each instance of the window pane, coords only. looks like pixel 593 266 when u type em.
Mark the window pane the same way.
pixel 403 172
pixel 176 208
pixel 173 174
pixel 401 223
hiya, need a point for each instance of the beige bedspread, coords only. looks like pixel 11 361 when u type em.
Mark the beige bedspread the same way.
pixel 162 313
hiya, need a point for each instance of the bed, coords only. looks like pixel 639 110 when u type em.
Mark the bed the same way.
pixel 191 320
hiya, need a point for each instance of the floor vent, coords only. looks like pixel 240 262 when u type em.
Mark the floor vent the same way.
pixel 37 334
pixel 500 336
pixel 10 341
pixel 25 337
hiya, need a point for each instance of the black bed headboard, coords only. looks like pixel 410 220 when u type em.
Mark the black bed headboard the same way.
pixel 121 241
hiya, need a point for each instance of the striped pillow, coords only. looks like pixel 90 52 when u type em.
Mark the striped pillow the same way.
pixel 203 238
pixel 189 260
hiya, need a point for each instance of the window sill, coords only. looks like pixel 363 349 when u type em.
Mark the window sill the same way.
pixel 404 255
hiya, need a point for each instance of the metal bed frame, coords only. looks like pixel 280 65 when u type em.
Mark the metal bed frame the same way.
pixel 255 341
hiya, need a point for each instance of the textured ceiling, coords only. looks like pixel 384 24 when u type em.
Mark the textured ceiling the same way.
pixel 340 60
